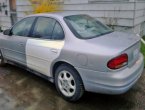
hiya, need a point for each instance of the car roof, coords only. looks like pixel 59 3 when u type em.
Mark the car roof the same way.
pixel 56 14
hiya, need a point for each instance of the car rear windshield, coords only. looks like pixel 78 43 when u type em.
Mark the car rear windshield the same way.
pixel 86 27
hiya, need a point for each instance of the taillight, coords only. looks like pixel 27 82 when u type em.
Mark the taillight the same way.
pixel 118 62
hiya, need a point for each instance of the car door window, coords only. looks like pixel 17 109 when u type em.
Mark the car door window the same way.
pixel 58 33
pixel 44 28
pixel 23 27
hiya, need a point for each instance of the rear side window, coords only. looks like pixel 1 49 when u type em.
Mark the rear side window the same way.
pixel 58 33
pixel 23 27
pixel 43 28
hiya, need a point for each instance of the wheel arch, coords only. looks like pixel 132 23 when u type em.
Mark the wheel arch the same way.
pixel 57 64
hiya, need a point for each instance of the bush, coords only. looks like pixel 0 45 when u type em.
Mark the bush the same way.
pixel 143 50
pixel 143 37
pixel 41 6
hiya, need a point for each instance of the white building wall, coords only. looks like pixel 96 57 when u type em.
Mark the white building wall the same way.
pixel 5 21
pixel 125 15
pixel 24 7
pixel 121 13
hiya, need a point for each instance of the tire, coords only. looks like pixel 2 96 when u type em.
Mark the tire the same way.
pixel 68 83
pixel 2 63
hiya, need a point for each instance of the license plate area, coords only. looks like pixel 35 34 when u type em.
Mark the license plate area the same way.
pixel 133 54
pixel 136 53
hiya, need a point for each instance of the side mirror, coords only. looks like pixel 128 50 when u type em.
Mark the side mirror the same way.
pixel 7 32
pixel 1 30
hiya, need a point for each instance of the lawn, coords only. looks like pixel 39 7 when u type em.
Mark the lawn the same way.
pixel 143 50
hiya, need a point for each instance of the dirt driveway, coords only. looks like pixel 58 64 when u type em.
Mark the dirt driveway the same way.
pixel 21 90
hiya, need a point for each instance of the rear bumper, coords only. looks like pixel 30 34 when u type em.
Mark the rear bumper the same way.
pixel 114 82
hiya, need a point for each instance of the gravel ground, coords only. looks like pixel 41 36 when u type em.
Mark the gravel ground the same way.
pixel 21 90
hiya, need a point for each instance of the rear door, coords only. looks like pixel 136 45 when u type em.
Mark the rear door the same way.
pixel 14 46
pixel 45 45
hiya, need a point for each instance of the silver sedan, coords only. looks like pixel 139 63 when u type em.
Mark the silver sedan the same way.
pixel 76 52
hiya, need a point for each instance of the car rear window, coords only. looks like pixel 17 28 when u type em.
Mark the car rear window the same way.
pixel 86 27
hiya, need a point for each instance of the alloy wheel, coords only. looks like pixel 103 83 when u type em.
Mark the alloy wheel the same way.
pixel 66 83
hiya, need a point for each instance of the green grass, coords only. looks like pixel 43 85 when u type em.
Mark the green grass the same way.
pixel 143 50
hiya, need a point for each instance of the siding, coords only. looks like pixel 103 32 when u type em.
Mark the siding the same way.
pixel 122 13
pixel 24 8
pixel 139 13
pixel 5 21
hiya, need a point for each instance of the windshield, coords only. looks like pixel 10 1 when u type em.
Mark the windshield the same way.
pixel 86 27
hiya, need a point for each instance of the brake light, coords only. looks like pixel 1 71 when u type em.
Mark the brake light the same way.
pixel 118 62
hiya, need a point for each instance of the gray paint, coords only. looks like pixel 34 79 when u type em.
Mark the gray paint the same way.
pixel 95 53
pixel 98 51
pixel 116 82
pixel 14 48
pixel 90 57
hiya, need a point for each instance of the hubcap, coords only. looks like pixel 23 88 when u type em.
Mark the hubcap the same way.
pixel 66 83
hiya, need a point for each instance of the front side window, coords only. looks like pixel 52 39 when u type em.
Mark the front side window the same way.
pixel 86 27
pixel 23 27
pixel 44 28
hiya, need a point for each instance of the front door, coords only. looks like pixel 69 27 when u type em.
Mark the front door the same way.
pixel 14 46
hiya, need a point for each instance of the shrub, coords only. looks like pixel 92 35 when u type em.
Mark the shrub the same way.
pixel 46 6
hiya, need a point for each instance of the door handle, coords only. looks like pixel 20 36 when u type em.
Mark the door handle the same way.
pixel 54 50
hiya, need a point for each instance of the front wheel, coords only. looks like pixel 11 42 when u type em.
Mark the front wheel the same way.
pixel 68 83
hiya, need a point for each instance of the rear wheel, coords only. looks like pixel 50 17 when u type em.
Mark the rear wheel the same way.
pixel 68 83
pixel 2 63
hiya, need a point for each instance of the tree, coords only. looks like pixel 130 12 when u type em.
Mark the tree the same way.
pixel 46 6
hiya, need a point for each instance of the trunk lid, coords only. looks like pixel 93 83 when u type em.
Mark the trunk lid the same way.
pixel 119 43
pixel 116 40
